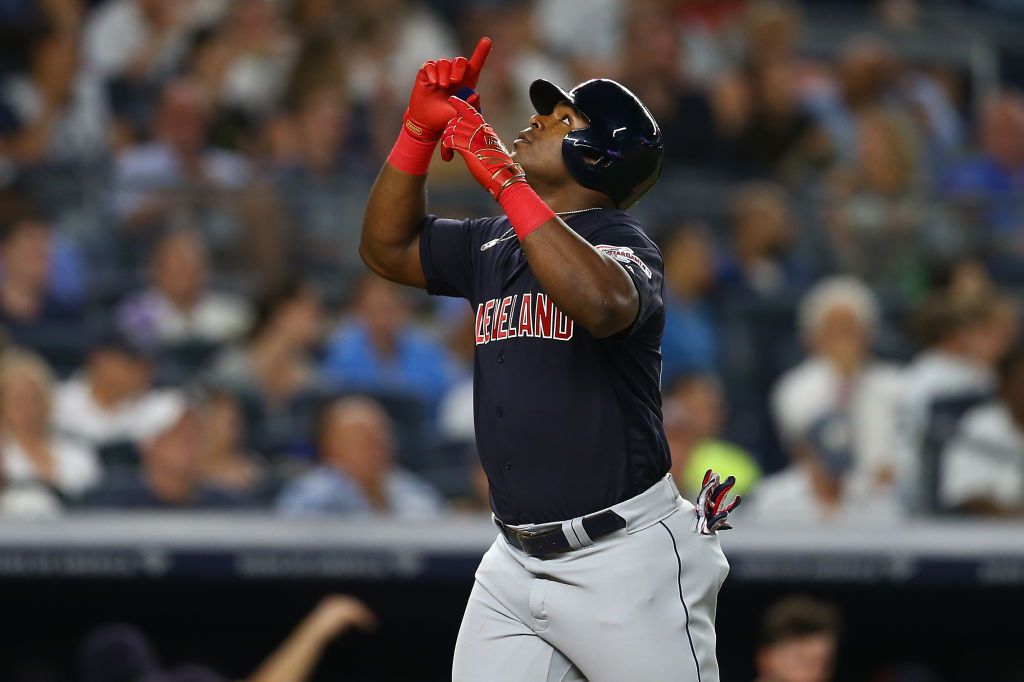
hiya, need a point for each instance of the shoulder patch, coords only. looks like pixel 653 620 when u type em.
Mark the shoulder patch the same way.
pixel 624 254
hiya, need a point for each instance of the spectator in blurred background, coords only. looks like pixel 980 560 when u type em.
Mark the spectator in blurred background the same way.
pixel 131 47
pixel 769 30
pixel 178 179
pixel 652 66
pixel 247 61
pixel 29 309
pixel 590 42
pixel 31 451
pixel 870 75
pixel 379 349
pixel 988 189
pixel 798 641
pixel 357 473
pixel 879 218
pixel 865 78
pixel 116 653
pixel 768 129
pixel 822 485
pixel 963 339
pixel 112 400
pixel 296 658
pixel 455 419
pixel 225 464
pixel 122 653
pixel 317 176
pixel 389 40
pixel 694 412
pixel 689 342
pixel 841 399
pixel 137 39
pixel 983 465
pixel 171 475
pixel 273 372
pixel 53 113
pixel 180 306
pixel 761 263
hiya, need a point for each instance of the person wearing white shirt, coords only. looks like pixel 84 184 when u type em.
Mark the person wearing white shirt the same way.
pixel 179 306
pixel 60 112
pixel 983 466
pixel 139 39
pixel 810 493
pixel 838 319
pixel 30 451
pixel 835 413
pixel 964 339
pixel 112 401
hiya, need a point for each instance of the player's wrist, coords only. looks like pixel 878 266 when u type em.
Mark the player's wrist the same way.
pixel 524 207
pixel 414 147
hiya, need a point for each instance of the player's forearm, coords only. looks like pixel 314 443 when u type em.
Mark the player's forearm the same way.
pixel 586 285
pixel 394 213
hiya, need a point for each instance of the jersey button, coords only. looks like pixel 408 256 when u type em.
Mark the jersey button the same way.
pixel 501 358
pixel 500 412
pixel 508 465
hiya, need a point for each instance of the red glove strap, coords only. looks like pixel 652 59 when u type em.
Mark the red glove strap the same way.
pixel 525 210
pixel 414 148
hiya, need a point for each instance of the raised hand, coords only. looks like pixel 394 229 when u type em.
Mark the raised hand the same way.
pixel 429 110
pixel 485 156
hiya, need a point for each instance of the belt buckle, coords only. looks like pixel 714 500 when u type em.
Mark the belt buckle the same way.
pixel 522 533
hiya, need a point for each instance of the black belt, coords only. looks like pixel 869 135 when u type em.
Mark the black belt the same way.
pixel 554 541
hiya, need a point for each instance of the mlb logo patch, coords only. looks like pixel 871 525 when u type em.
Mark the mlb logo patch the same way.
pixel 624 254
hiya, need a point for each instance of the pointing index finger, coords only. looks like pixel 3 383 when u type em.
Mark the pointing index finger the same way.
pixel 483 48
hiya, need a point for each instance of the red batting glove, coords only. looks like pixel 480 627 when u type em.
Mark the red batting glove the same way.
pixel 429 111
pixel 485 156
pixel 492 166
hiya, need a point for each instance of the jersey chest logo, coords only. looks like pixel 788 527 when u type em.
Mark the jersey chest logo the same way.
pixel 531 316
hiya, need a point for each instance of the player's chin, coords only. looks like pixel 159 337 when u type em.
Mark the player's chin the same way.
pixel 521 155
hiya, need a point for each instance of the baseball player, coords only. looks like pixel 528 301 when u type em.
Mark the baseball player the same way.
pixel 601 571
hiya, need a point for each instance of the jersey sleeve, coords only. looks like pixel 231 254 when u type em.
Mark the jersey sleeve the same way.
pixel 446 256
pixel 640 257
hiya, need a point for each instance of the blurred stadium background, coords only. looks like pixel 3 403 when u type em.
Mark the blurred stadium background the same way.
pixel 212 420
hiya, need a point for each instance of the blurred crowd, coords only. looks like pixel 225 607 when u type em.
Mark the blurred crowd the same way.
pixel 187 324
pixel 798 640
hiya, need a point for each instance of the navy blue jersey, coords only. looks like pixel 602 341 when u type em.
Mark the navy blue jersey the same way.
pixel 566 424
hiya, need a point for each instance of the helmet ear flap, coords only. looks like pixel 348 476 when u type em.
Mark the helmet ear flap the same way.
pixel 587 158
pixel 621 152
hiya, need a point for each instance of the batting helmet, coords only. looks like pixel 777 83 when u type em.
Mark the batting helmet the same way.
pixel 621 152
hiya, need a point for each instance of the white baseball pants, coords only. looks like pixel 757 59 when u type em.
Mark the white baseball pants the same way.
pixel 636 606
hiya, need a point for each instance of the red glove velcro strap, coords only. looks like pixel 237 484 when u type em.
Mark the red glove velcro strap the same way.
pixel 414 148
pixel 525 210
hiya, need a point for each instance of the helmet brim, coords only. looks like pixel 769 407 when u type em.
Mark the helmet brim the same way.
pixel 545 95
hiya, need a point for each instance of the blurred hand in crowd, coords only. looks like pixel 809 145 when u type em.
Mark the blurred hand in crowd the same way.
pixel 224 461
pixel 296 658
pixel 337 614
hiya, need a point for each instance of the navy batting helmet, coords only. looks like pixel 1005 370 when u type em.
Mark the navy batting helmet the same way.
pixel 621 152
